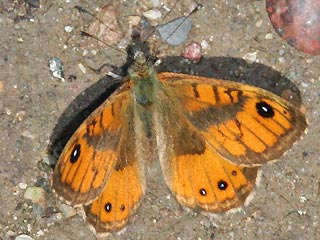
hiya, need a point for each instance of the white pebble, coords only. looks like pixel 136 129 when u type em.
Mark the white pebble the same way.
pixel 23 237
pixel 23 185
pixel 250 57
pixel 68 29
pixel 268 36
pixel 152 14
pixel 259 23
pixel 82 68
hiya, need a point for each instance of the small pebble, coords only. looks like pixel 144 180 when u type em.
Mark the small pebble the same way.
pixel 303 199
pixel 68 29
pixel 67 211
pixel 82 68
pixel 152 14
pixel 281 59
pixel 309 60
pixel 204 44
pixel 23 237
pixel 259 23
pixel 268 36
pixel 134 20
pixel 192 52
pixel 10 233
pixel 23 185
pixel 56 68
pixel 35 194
pixel 29 228
pixel 40 233
pixel 17 27
pixel 20 115
pixel 48 159
pixel 27 134
pixel 250 57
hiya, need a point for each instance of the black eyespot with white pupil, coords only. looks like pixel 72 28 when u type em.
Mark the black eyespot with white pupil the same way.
pixel 264 110
pixel 108 207
pixel 203 192
pixel 222 185
pixel 75 154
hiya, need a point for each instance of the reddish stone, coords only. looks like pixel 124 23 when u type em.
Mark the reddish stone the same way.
pixel 297 22
pixel 192 52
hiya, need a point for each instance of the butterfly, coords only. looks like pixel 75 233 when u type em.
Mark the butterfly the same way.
pixel 210 136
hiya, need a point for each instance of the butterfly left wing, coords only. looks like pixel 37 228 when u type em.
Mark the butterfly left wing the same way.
pixel 244 124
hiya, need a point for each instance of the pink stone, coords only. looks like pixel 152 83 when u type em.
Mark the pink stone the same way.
pixel 192 52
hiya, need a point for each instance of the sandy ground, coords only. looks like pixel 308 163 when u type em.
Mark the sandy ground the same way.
pixel 35 110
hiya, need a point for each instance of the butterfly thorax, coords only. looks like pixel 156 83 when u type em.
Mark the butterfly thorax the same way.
pixel 145 81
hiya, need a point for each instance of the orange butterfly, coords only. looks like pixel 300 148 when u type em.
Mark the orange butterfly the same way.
pixel 209 135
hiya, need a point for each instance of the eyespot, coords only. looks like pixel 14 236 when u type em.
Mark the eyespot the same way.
pixel 203 192
pixel 234 173
pixel 264 109
pixel 222 185
pixel 75 154
pixel 108 207
pixel 122 207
